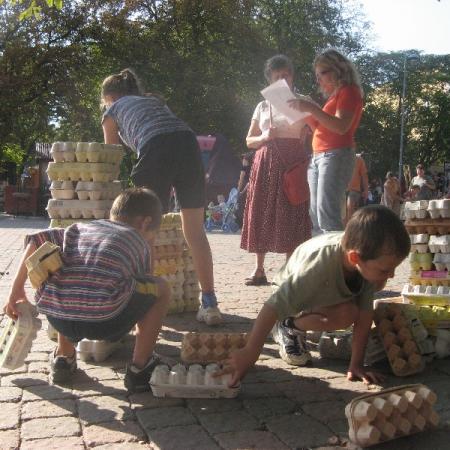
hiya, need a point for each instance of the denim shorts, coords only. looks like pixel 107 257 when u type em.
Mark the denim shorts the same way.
pixel 111 329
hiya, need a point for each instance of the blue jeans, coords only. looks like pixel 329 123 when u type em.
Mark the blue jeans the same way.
pixel 328 176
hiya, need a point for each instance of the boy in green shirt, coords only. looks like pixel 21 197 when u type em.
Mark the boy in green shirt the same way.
pixel 328 284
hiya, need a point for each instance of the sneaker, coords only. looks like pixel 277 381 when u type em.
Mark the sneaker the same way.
pixel 62 367
pixel 138 380
pixel 292 343
pixel 210 315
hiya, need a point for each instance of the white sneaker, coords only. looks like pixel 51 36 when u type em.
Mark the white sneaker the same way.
pixel 210 315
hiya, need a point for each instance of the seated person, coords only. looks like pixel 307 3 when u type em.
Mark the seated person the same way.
pixel 105 286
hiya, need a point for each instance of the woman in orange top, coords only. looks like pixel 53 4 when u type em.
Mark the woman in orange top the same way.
pixel 334 126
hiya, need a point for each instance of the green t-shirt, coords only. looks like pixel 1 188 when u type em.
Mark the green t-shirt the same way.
pixel 314 277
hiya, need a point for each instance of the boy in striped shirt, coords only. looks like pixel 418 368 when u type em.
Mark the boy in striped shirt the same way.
pixel 105 286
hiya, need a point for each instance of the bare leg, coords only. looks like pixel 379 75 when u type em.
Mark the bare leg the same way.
pixel 192 221
pixel 148 328
pixel 259 270
pixel 65 347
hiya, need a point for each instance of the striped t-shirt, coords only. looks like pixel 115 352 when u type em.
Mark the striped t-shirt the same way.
pixel 101 262
pixel 140 119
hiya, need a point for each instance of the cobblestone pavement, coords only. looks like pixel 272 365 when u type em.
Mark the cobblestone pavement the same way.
pixel 279 407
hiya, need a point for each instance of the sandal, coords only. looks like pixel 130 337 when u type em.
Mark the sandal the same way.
pixel 256 281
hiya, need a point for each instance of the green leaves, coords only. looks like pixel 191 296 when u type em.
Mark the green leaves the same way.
pixel 33 8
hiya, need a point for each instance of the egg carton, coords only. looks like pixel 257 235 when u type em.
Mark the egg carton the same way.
pixel 398 339
pixel 18 335
pixel 180 304
pixel 64 223
pixel 98 172
pixel 75 209
pixel 43 262
pixel 169 237
pixel 416 210
pixel 191 290
pixel 86 152
pixel 194 382
pixel 171 221
pixel 91 190
pixel 442 261
pixel 439 244
pixel 391 413
pixel 97 351
pixel 210 347
pixel 336 344
pixel 168 266
pixel 176 280
pixel 427 295
pixel 430 226
pixel 168 251
pixel 419 248
pixel 430 277
pixel 439 208
pixel 421 238
pixel 190 277
pixel 433 317
pixel 421 261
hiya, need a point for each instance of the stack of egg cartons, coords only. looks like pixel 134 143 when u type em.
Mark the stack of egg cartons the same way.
pixel 82 177
pixel 428 223
pixel 174 263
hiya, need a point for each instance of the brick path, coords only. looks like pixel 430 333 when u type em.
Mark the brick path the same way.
pixel 279 407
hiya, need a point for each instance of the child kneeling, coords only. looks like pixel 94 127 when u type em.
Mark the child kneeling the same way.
pixel 328 284
pixel 104 288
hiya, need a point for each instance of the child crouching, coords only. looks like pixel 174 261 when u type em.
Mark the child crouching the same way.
pixel 328 284
pixel 104 288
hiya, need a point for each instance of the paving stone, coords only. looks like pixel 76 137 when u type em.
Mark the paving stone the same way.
pixel 144 400
pixel 53 408
pixel 9 439
pixel 48 428
pixel 267 407
pixel 72 443
pixel 93 410
pixel 191 437
pixel 45 392
pixel 10 394
pixel 125 446
pixel 5 371
pixel 106 387
pixel 299 430
pixel 153 418
pixel 304 390
pixel 9 415
pixel 37 356
pixel 252 390
pixel 24 380
pixel 228 421
pixel 249 439
pixel 101 373
pixel 326 412
pixel 111 432
pixel 207 405
pixel 39 366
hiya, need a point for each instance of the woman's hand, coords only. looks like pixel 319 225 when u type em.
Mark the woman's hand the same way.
pixel 238 364
pixel 367 376
pixel 269 134
pixel 303 104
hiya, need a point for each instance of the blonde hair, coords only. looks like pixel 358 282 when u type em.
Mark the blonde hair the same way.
pixel 124 83
pixel 342 67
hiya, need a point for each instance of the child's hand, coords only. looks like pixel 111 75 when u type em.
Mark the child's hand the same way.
pixel 238 364
pixel 368 377
pixel 10 308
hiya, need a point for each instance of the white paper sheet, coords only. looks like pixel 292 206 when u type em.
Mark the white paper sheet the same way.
pixel 278 94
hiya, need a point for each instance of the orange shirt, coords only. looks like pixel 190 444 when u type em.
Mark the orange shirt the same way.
pixel 347 98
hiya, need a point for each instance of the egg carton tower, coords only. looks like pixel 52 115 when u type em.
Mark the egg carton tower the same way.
pixel 428 224
pixel 83 178
pixel 174 263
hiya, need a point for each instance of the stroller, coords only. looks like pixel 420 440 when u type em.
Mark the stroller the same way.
pixel 222 216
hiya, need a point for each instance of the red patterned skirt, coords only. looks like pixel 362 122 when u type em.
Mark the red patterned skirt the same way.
pixel 271 223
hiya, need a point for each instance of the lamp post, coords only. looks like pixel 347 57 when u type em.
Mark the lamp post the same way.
pixel 406 57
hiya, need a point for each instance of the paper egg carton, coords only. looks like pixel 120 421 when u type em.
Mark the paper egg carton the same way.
pixel 421 261
pixel 193 382
pixel 439 244
pixel 43 262
pixel 439 208
pixel 98 172
pixel 430 277
pixel 91 190
pixel 97 351
pixel 427 295
pixel 442 261
pixel 210 347
pixel 171 221
pixel 75 209
pixel 401 348
pixel 429 226
pixel 167 251
pixel 416 210
pixel 433 317
pixel 95 152
pixel 18 335
pixel 167 266
pixel 178 305
pixel 390 414
pixel 64 223
pixel 170 237
pixel 336 344
pixel 419 243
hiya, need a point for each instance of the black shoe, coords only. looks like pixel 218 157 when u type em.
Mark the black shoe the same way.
pixel 62 367
pixel 292 343
pixel 138 380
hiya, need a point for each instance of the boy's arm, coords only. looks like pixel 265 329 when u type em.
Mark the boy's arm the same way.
pixel 240 361
pixel 361 330
pixel 17 291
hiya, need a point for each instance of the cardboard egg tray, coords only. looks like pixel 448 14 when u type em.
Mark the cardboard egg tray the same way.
pixel 76 209
pixel 416 210
pixel 439 244
pixel 18 335
pixel 421 261
pixel 336 344
pixel 168 251
pixel 430 278
pixel 86 152
pixel 97 351
pixel 442 261
pixel 439 208
pixel 170 237
pixel 98 172
pixel 432 317
pixel 64 223
pixel 168 266
pixel 194 382
pixel 210 347
pixel 390 414
pixel 180 304
pixel 396 333
pixel 171 221
pixel 85 190
pixel 41 263
pixel 421 238
pixel 427 295
pixel 429 226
